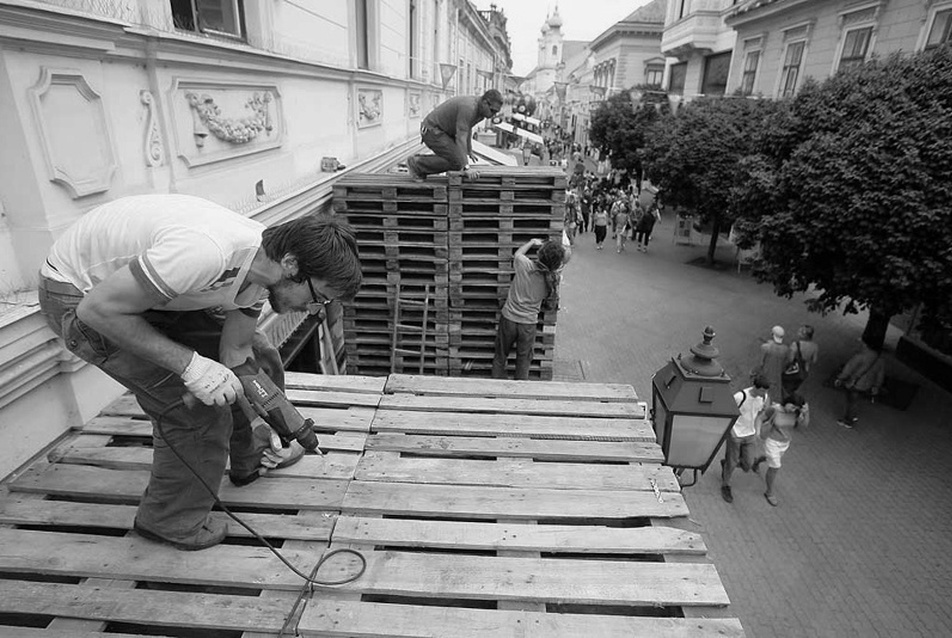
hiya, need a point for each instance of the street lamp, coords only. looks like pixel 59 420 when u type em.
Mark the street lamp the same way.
pixel 693 408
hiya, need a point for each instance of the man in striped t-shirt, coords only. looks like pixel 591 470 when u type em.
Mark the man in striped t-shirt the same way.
pixel 163 293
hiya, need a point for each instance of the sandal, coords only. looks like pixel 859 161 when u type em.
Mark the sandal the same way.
pixel 773 500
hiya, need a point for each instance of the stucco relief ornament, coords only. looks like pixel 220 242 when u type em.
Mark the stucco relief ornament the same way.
pixel 370 108
pixel 207 118
pixel 153 142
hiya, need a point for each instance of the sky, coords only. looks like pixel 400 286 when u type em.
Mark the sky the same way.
pixel 581 20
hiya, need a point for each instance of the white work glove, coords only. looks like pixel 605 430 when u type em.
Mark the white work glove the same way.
pixel 211 382
pixel 275 454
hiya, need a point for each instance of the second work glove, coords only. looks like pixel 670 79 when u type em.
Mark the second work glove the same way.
pixel 211 382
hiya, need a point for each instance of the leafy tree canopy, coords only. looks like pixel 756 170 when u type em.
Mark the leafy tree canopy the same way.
pixel 618 128
pixel 861 206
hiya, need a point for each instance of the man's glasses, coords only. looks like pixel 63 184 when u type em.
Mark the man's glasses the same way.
pixel 316 306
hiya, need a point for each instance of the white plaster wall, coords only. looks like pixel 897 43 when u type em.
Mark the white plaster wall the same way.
pixel 315 31
pixel 394 38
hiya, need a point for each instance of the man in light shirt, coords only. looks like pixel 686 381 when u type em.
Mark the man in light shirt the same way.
pixel 743 435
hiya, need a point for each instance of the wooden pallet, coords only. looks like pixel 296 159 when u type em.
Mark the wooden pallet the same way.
pixel 482 508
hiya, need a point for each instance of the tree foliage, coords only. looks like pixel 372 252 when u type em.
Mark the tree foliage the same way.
pixel 618 129
pixel 856 198
pixel 704 158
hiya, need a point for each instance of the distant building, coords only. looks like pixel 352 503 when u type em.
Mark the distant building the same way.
pixel 699 46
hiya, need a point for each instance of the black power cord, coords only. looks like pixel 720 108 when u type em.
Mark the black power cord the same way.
pixel 310 580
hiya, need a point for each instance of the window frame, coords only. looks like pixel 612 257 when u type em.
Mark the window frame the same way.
pixel 746 73
pixel 853 60
pixel 238 10
pixel 785 68
pixel 934 14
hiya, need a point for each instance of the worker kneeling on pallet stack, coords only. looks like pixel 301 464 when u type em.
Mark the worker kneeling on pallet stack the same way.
pixel 448 132
pixel 534 282
pixel 163 293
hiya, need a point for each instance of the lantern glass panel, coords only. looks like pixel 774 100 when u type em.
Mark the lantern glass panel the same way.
pixel 694 439
pixel 660 421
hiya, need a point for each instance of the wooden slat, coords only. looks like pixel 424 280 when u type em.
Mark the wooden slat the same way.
pixel 555 580
pixel 143 606
pixel 342 418
pixel 513 425
pixel 34 632
pixel 309 525
pixel 387 466
pixel 346 618
pixel 135 558
pixel 329 398
pixel 333 465
pixel 514 536
pixel 464 501
pixel 452 446
pixel 357 420
pixel 469 387
pixel 336 382
pixel 127 486
pixel 511 406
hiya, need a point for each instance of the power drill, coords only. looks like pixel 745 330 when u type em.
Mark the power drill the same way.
pixel 262 398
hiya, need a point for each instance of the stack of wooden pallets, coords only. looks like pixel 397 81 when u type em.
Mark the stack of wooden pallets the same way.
pixel 459 237
pixel 401 228
pixel 482 508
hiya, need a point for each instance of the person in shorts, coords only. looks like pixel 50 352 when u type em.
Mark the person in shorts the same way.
pixel 775 432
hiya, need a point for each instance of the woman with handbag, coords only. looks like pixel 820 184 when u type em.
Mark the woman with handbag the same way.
pixel 801 358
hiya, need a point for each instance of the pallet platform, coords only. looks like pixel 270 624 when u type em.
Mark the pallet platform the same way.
pixel 482 508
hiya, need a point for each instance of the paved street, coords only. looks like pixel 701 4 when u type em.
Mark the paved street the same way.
pixel 860 544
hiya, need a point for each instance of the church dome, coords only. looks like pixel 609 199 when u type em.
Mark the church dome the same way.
pixel 555 21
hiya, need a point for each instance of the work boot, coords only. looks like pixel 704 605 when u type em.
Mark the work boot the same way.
pixel 211 533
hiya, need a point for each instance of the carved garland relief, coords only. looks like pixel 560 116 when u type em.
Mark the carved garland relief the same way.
pixel 216 121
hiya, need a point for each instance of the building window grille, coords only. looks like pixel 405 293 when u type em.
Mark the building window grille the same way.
pixel 214 17
pixel 941 31
pixel 751 62
pixel 791 68
pixel 855 48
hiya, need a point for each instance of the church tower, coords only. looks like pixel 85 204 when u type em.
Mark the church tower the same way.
pixel 550 42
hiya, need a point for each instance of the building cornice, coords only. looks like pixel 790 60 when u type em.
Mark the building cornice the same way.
pixel 762 9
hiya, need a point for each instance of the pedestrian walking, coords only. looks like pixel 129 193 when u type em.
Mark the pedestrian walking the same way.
pixel 743 435
pixel 571 219
pixel 620 221
pixel 775 431
pixel 863 373
pixel 801 358
pixel 773 360
pixel 645 227
pixel 600 225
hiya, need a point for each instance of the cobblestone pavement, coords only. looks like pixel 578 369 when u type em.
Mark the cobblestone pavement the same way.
pixel 860 544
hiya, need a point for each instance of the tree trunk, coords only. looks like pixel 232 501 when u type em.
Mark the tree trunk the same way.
pixel 715 231
pixel 875 331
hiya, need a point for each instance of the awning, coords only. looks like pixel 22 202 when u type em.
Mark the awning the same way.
pixel 532 137
pixel 505 126
pixel 527 119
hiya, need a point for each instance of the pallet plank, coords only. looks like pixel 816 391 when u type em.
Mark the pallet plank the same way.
pixel 550 580
pixel 350 618
pixel 143 606
pixel 451 446
pixel 308 525
pixel 517 537
pixel 386 466
pixel 127 486
pixel 511 406
pixel 454 386
pixel 465 501
pixel 513 425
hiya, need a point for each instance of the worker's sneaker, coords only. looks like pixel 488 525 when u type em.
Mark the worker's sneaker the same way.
pixel 211 533
pixel 413 170
pixel 848 423
pixel 726 493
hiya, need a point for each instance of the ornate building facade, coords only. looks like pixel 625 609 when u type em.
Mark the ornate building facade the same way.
pixel 236 101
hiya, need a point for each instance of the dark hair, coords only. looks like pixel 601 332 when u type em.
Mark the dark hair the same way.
pixel 796 399
pixel 324 246
pixel 808 330
pixel 762 382
pixel 550 258
pixel 492 95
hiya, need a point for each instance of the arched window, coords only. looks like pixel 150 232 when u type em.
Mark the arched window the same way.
pixel 555 49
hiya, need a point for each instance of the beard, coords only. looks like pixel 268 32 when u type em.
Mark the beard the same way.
pixel 276 297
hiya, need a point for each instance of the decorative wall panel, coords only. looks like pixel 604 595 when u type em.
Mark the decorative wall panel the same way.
pixel 74 132
pixel 369 107
pixel 218 121
pixel 414 104
pixel 154 152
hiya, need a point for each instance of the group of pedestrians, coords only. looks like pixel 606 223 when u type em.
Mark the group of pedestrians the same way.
pixel 770 408
pixel 597 203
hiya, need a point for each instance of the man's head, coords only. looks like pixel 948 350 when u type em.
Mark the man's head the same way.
pixel 806 332
pixel 490 103
pixel 777 334
pixel 551 255
pixel 793 402
pixel 761 385
pixel 319 255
